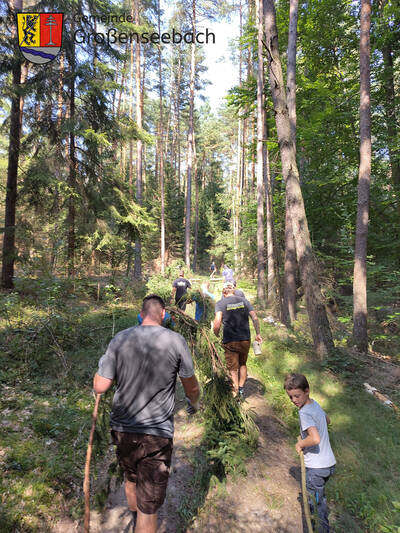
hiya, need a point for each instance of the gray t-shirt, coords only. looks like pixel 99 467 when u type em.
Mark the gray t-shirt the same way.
pixel 320 455
pixel 145 361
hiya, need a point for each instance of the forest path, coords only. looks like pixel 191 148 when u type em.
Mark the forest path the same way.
pixel 266 500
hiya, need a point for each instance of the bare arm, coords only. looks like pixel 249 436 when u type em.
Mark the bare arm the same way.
pixel 191 388
pixel 101 384
pixel 217 322
pixel 256 325
pixel 312 439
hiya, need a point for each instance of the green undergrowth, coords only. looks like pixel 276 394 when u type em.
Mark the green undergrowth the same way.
pixel 52 333
pixel 365 435
pixel 51 337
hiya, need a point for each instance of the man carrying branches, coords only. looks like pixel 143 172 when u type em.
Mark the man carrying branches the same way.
pixel 144 361
pixel 233 312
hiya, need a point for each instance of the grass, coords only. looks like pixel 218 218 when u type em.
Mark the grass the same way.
pixel 52 333
pixel 51 337
pixel 50 343
pixel 365 435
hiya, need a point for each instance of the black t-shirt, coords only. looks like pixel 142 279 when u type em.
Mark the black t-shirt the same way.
pixel 181 285
pixel 235 318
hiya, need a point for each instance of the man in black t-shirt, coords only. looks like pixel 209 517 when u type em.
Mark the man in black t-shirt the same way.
pixel 233 312
pixel 179 289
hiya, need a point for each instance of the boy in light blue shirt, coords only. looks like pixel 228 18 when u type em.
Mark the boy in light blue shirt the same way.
pixel 314 442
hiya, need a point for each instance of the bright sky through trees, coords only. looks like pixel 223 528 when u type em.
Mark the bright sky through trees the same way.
pixel 222 73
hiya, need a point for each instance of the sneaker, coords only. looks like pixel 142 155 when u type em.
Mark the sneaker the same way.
pixel 241 393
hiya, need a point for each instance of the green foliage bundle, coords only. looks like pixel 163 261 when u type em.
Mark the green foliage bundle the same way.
pixel 230 431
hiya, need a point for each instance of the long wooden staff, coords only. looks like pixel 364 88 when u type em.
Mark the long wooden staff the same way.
pixel 305 494
pixel 86 480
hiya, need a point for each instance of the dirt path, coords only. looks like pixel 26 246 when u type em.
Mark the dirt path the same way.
pixel 266 500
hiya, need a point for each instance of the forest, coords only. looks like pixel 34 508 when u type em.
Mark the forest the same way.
pixel 116 172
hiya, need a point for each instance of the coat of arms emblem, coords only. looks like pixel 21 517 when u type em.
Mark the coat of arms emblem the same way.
pixel 40 36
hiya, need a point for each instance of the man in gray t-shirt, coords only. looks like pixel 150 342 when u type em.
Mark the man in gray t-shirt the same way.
pixel 145 361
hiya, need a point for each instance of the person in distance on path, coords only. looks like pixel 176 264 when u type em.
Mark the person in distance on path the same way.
pixel 145 361
pixel 228 274
pixel 233 312
pixel 213 269
pixel 179 289
pixel 314 442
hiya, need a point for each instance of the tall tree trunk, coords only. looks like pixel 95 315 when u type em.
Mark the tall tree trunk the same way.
pixel 71 215
pixel 17 103
pixel 237 191
pixel 139 148
pixel 319 324
pixel 260 162
pixel 360 313
pixel 196 215
pixel 190 157
pixel 291 68
pixel 391 119
pixel 161 149
pixel 289 283
pixel 273 289
pixel 131 106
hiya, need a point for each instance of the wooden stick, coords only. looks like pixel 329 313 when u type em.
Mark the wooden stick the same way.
pixel 305 494
pixel 86 481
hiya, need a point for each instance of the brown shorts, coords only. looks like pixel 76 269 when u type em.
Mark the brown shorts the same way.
pixel 145 460
pixel 236 353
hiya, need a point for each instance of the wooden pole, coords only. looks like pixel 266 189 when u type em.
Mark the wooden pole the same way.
pixel 86 480
pixel 305 494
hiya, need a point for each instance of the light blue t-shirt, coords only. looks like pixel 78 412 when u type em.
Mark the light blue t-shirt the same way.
pixel 320 455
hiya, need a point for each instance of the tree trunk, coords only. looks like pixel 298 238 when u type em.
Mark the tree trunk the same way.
pixel 190 157
pixel 291 68
pixel 161 150
pixel 139 150
pixel 391 119
pixel 273 289
pixel 289 282
pixel 260 162
pixel 319 324
pixel 196 215
pixel 236 193
pixel 289 286
pixel 17 103
pixel 131 106
pixel 360 313
pixel 71 215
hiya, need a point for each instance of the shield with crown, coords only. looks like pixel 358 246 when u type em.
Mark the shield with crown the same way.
pixel 40 36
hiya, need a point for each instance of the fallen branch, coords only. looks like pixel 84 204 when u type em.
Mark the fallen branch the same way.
pixel 381 397
pixel 86 481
